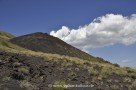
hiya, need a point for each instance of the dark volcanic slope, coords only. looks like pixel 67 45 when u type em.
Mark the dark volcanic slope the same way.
pixel 20 72
pixel 48 44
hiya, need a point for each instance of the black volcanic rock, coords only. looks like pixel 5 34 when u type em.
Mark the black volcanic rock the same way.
pixel 41 73
pixel 23 71
pixel 45 43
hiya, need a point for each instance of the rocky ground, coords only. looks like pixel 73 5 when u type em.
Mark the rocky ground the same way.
pixel 21 72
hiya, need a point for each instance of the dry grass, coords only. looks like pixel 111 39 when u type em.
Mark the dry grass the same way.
pixel 106 68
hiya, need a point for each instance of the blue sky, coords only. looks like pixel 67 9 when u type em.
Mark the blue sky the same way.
pixel 20 17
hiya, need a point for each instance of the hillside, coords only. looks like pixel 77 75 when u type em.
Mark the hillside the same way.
pixel 5 35
pixel 25 69
pixel 42 42
pixel 48 44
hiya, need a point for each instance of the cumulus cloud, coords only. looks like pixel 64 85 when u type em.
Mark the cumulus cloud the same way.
pixel 103 31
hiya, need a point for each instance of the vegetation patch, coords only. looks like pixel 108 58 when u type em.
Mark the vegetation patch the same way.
pixel 33 68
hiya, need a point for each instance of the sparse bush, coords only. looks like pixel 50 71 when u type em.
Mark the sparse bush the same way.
pixel 23 70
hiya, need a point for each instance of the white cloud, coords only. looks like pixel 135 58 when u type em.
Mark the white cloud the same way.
pixel 103 31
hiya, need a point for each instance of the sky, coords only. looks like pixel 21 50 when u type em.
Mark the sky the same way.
pixel 103 28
